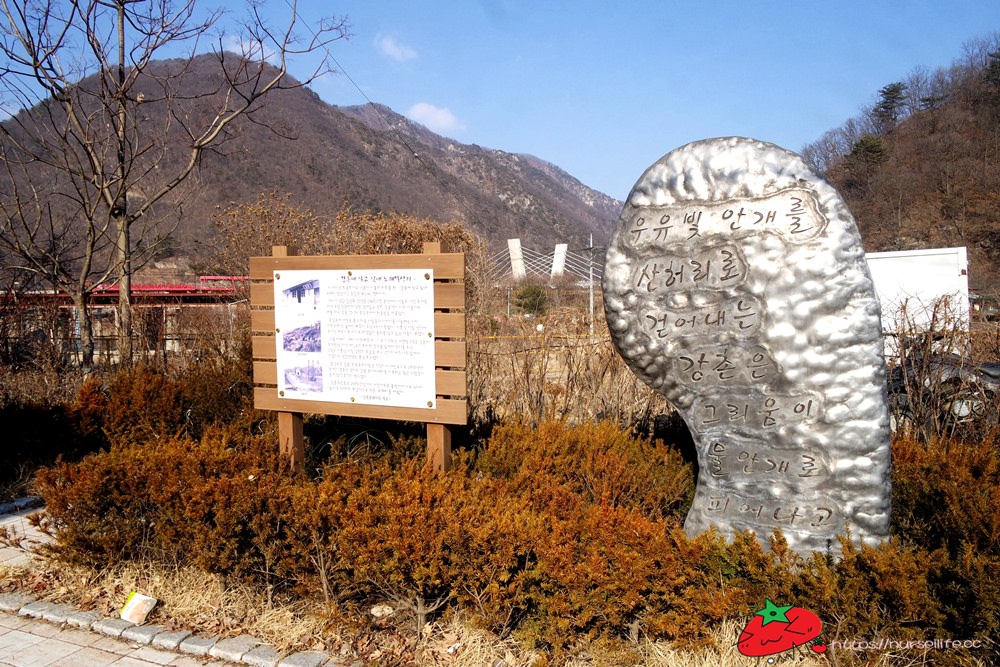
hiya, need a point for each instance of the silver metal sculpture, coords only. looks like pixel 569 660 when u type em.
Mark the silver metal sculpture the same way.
pixel 736 286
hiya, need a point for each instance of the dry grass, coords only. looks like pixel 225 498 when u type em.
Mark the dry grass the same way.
pixel 457 645
pixel 41 384
pixel 196 601
pixel 528 369
pixel 187 598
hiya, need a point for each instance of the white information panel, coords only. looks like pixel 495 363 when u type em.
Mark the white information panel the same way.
pixel 361 336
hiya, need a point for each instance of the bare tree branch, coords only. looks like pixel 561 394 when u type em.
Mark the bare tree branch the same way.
pixel 103 131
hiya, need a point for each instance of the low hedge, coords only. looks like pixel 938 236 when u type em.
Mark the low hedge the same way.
pixel 556 534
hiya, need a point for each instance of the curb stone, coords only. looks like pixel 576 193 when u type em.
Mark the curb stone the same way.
pixel 142 634
pixel 304 659
pixel 262 656
pixel 199 646
pixel 13 602
pixel 233 648
pixel 82 619
pixel 170 641
pixel 113 627
pixel 21 504
pixel 57 613
pixel 32 609
pixel 243 649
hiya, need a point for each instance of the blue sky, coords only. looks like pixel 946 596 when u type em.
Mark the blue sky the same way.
pixel 604 89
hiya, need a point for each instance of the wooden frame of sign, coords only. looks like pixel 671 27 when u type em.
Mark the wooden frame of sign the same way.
pixel 450 403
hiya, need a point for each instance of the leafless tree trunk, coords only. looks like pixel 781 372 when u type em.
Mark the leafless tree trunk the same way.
pixel 119 210
pixel 87 159
pixel 38 242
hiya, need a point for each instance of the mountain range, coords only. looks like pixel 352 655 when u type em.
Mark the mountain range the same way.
pixel 921 174
pixel 918 170
pixel 370 158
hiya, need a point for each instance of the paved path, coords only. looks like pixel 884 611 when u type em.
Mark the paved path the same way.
pixel 29 642
pixel 13 518
pixel 35 633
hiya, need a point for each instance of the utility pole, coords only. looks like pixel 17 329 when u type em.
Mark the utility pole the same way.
pixel 590 271
pixel 590 274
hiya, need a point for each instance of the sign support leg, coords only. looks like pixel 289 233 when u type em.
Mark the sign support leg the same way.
pixel 291 441
pixel 438 435
pixel 439 447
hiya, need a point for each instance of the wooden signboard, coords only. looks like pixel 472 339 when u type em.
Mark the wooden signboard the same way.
pixel 378 336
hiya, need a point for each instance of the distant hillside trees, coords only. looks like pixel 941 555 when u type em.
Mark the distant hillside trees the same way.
pixel 920 167
pixel 922 90
pixel 89 169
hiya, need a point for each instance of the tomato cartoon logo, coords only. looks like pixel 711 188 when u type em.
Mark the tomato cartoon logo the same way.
pixel 776 629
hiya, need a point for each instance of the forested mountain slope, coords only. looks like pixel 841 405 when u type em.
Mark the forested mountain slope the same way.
pixel 920 168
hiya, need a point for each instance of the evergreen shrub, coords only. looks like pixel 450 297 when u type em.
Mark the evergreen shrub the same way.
pixel 143 405
pixel 171 500
pixel 946 494
pixel 597 462
pixel 39 433
pixel 218 390
pixel 561 536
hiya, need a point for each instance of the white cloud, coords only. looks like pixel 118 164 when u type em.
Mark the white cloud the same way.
pixel 436 119
pixel 395 50
pixel 250 49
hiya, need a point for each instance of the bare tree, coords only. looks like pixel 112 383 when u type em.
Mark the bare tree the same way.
pixel 830 148
pixel 103 131
pixel 977 51
pixel 918 84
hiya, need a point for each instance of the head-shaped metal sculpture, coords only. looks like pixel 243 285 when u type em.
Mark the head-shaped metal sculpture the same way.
pixel 736 286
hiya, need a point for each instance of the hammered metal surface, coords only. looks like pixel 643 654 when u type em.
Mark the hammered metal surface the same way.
pixel 736 286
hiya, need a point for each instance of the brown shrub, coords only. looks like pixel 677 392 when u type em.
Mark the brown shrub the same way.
pixel 872 592
pixel 171 500
pixel 608 571
pixel 216 391
pixel 946 495
pixel 143 405
pixel 562 536
pixel 37 434
pixel 599 462
pixel 88 409
pixel 421 539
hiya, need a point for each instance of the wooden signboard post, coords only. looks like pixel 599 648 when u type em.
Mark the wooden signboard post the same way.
pixel 378 336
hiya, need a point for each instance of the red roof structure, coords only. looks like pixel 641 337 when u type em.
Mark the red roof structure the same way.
pixel 208 289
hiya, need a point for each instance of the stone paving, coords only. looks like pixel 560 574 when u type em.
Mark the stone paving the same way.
pixel 35 633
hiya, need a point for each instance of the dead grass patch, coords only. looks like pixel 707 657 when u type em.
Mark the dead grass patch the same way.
pixel 203 603
pixel 188 598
